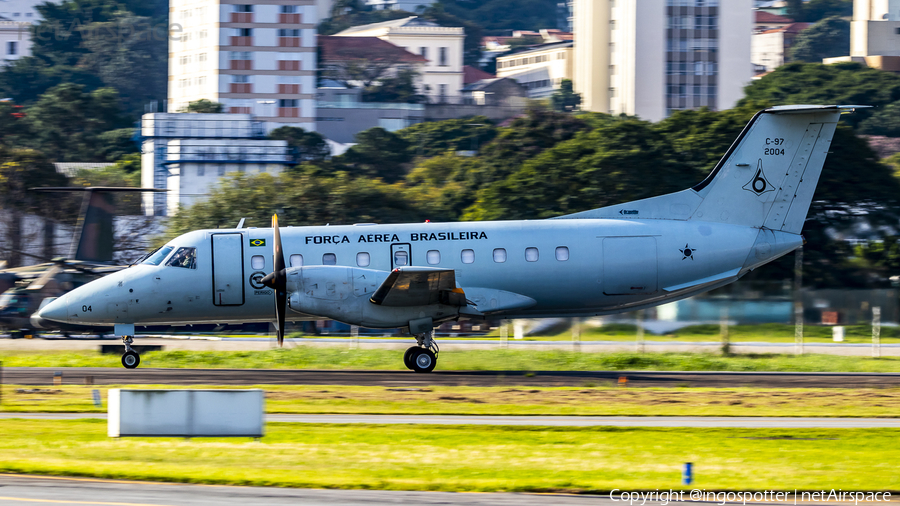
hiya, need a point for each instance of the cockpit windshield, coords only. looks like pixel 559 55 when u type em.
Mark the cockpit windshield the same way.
pixel 159 256
pixel 184 257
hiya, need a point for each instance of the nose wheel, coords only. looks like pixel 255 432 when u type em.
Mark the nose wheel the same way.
pixel 131 358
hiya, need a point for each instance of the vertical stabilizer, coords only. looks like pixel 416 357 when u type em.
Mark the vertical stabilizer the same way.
pixel 94 231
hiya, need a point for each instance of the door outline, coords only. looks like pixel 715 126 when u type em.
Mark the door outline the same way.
pixel 212 255
pixel 401 246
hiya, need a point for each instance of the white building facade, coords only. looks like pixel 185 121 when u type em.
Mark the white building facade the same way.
pixel 189 153
pixel 541 69
pixel 255 58
pixel 442 74
pixel 399 5
pixel 651 57
pixel 16 20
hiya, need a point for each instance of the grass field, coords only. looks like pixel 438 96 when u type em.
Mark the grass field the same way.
pixel 765 332
pixel 466 458
pixel 312 357
pixel 587 400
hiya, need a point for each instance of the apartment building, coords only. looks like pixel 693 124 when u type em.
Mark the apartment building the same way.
pixel 770 48
pixel 255 58
pixel 652 57
pixel 540 69
pixel 440 46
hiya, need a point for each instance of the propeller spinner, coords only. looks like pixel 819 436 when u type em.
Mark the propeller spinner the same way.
pixel 277 280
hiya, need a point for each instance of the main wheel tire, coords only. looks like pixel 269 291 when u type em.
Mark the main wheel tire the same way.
pixel 423 360
pixel 131 360
pixel 407 357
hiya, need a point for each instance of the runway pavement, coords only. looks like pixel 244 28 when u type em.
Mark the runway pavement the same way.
pixel 743 422
pixel 151 376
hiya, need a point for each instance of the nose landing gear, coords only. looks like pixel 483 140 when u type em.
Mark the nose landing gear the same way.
pixel 130 359
pixel 422 357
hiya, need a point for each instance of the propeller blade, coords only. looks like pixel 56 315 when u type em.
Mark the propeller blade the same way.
pixel 279 281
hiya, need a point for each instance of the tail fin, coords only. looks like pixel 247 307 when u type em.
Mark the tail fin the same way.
pixel 766 178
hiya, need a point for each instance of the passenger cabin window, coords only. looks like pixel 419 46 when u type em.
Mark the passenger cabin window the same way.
pixel 159 256
pixel 531 254
pixel 401 258
pixel 499 255
pixel 433 257
pixel 329 259
pixel 184 257
pixel 467 256
pixel 296 260
pixel 258 262
pixel 562 253
pixel 362 259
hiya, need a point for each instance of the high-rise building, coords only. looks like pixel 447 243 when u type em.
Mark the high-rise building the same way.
pixel 255 58
pixel 874 35
pixel 651 57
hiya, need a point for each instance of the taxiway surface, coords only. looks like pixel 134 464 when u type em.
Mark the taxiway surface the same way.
pixel 742 422
pixel 151 376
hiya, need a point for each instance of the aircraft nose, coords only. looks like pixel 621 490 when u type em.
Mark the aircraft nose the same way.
pixel 56 310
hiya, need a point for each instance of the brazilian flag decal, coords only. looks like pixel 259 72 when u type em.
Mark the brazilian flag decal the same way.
pixel 257 242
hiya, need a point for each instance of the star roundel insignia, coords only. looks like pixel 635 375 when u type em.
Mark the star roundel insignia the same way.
pixel 687 251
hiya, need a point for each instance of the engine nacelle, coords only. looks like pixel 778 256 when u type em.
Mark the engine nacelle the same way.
pixel 342 294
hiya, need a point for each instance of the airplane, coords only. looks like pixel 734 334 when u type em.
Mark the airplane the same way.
pixel 747 212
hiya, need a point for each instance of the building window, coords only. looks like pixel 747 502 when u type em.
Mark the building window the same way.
pixel 258 262
pixel 329 259
pixel 240 79
pixel 433 257
pixel 362 259
pixel 285 32
pixel 562 253
pixel 531 254
pixel 221 169
pixel 499 255
pixel 200 170
pixel 243 32
pixel 289 9
pixel 424 52
pixel 296 260
pixel 288 102
pixel 467 256
pixel 243 8
pixel 442 56
pixel 442 92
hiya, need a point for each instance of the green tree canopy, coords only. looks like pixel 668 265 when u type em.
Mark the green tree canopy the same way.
pixel 308 146
pixel 378 154
pixel 433 138
pixel 885 121
pixel 826 39
pixel 502 15
pixel 204 105
pixel 565 99
pixel 815 83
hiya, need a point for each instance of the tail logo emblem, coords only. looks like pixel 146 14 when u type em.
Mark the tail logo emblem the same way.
pixel 759 184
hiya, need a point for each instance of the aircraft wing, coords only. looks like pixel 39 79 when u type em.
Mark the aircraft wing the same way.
pixel 419 286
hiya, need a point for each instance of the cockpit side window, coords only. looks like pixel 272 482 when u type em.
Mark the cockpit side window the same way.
pixel 159 256
pixel 184 257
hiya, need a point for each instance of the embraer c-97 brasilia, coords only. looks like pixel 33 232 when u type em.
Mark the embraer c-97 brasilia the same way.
pixel 748 212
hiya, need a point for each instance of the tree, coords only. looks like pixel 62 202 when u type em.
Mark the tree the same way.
pixel 817 10
pixel 125 173
pixel 518 42
pixel 814 83
pixel 379 154
pixel 307 146
pixel 565 99
pixel 433 138
pixel 497 15
pixel 205 106
pixel 66 122
pixel 825 39
pixel 795 9
pixel 400 88
pixel 116 144
pixel 885 121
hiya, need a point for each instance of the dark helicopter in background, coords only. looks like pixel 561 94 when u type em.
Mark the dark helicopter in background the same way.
pixel 25 288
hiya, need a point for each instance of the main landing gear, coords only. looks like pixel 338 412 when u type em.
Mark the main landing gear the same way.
pixel 130 359
pixel 423 356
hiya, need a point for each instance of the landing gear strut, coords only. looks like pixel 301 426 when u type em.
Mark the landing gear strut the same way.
pixel 130 359
pixel 423 356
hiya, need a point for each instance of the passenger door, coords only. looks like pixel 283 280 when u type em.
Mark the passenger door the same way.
pixel 228 269
pixel 401 255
